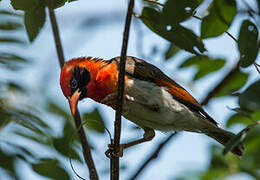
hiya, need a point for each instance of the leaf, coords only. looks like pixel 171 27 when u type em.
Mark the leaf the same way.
pixel 235 140
pixel 221 15
pixel 57 110
pixel 236 82
pixel 7 161
pixel 11 40
pixel 249 100
pixel 176 11
pixel 34 21
pixel 12 86
pixel 94 121
pixel 24 4
pixel 50 168
pixel 5 12
pixel 5 57
pixel 182 37
pixel 205 65
pixel 41 139
pixel 64 146
pixel 59 3
pixel 248 43
pixel 10 25
pixel 171 51
pixel 238 119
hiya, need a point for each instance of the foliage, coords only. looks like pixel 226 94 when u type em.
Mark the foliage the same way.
pixel 24 121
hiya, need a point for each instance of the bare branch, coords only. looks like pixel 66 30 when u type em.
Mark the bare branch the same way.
pixel 114 171
pixel 85 147
pixel 55 31
pixel 77 120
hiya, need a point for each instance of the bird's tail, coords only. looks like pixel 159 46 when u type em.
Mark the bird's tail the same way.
pixel 223 136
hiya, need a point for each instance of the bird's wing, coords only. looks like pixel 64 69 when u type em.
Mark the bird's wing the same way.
pixel 142 70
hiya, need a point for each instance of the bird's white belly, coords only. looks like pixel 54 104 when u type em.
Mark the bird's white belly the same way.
pixel 154 107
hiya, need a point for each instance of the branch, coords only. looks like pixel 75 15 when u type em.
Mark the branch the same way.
pixel 77 120
pixel 222 83
pixel 85 147
pixel 153 156
pixel 114 161
pixel 55 31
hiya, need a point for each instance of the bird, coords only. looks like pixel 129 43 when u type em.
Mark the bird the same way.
pixel 151 100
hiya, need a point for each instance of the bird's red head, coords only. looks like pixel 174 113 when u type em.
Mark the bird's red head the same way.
pixel 74 80
pixel 87 77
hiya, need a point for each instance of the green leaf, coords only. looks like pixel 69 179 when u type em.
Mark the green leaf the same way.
pixel 258 5
pixel 205 65
pixel 50 168
pixel 5 57
pixel 24 4
pixel 236 82
pixel 57 110
pixel 171 51
pixel 238 119
pixel 248 43
pixel 10 25
pixel 94 121
pixel 59 3
pixel 64 146
pixel 221 15
pixel 5 12
pixel 176 11
pixel 8 161
pixel 235 140
pixel 34 21
pixel 249 100
pixel 41 139
pixel 15 87
pixel 182 37
pixel 11 40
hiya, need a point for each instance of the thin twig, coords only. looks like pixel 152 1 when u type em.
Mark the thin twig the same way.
pixel 85 147
pixel 222 83
pixel 153 155
pixel 230 35
pixel 114 162
pixel 55 31
pixel 154 2
pixel 257 66
pixel 77 119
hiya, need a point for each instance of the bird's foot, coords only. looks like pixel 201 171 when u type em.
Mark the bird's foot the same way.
pixel 110 151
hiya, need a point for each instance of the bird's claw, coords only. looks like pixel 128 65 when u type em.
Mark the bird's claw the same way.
pixel 110 151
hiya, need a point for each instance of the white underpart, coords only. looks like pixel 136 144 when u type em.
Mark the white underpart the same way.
pixel 172 115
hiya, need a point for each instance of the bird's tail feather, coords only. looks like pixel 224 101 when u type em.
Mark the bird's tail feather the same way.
pixel 223 136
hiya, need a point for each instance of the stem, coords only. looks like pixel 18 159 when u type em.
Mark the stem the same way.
pixel 114 169
pixel 85 147
pixel 55 31
pixel 77 119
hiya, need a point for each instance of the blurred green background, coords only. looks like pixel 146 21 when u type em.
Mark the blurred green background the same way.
pixel 187 39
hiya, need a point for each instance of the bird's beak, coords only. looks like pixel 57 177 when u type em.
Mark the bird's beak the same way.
pixel 73 100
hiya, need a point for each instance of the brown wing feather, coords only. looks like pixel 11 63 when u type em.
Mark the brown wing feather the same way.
pixel 142 70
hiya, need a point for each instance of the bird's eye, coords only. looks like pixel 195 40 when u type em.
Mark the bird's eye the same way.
pixel 73 83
